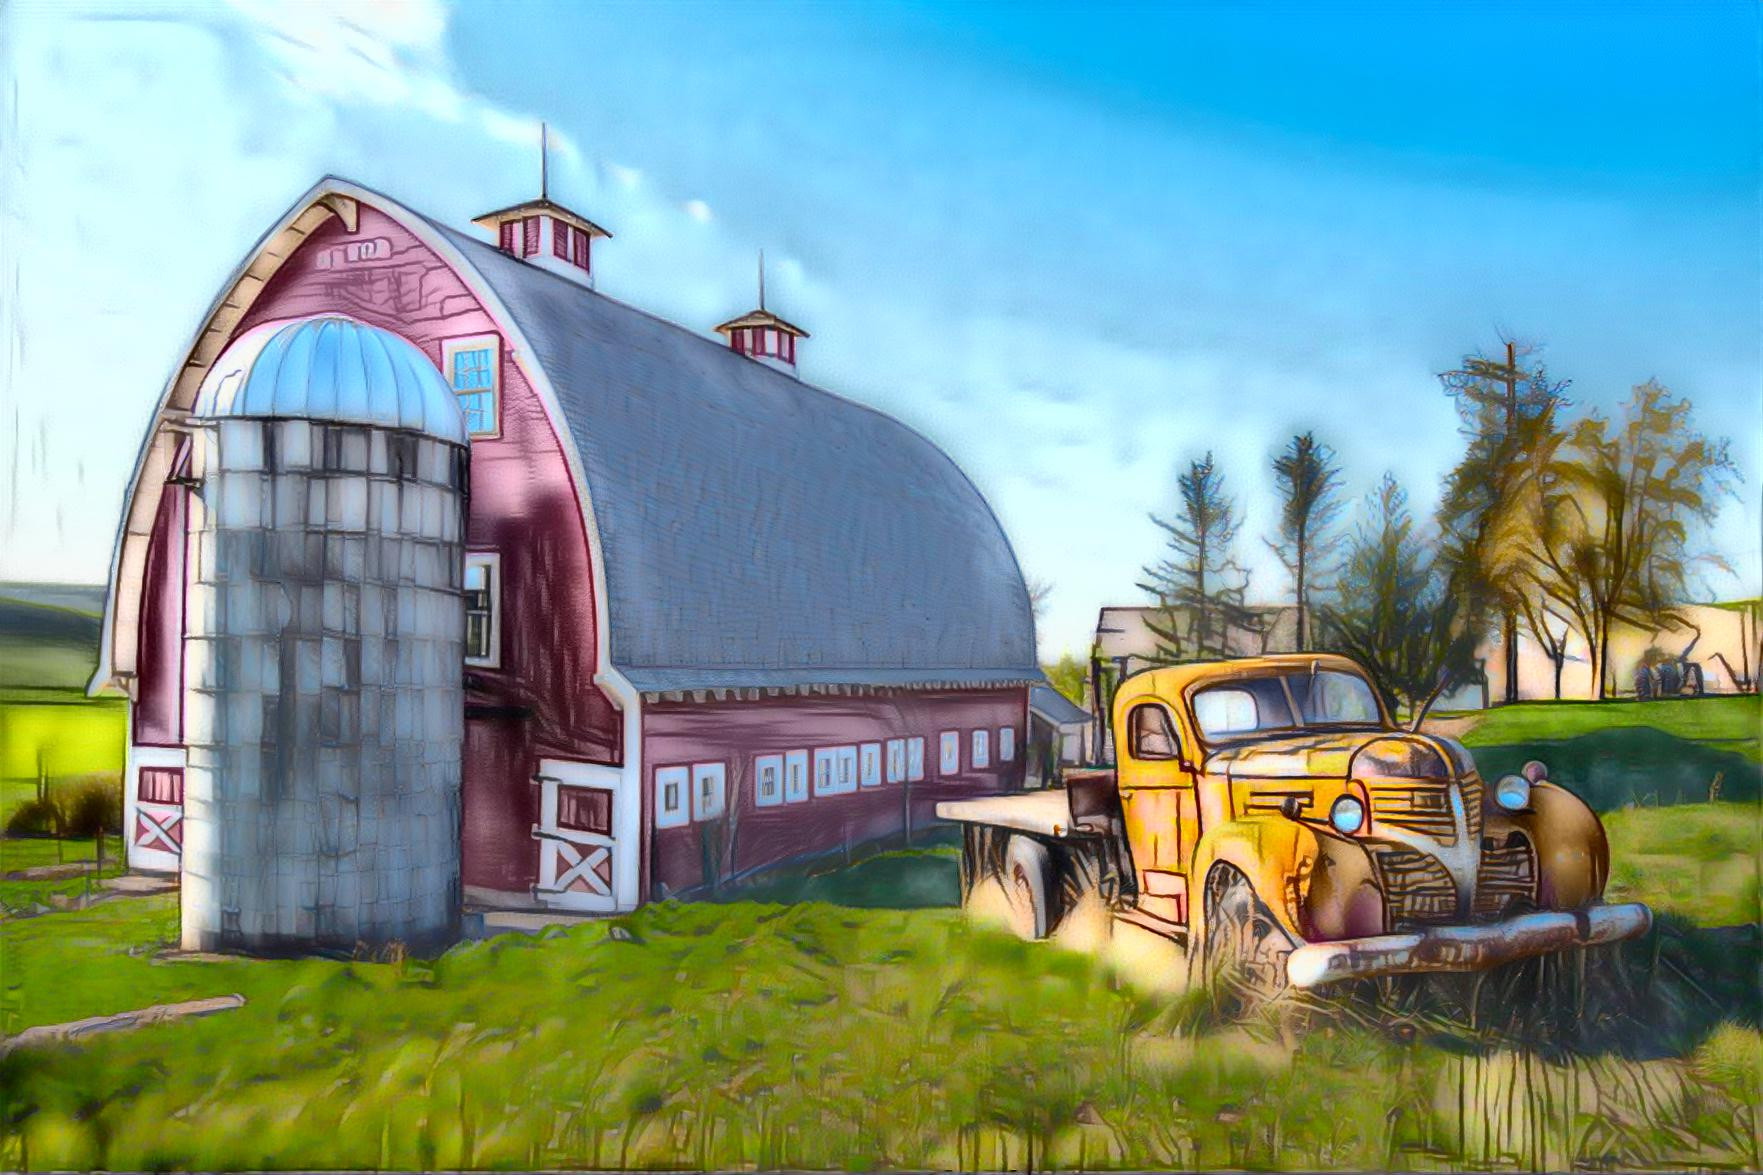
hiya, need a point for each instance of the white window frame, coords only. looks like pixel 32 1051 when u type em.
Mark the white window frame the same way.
pixel 681 814
pixel 1006 744
pixel 949 753
pixel 896 760
pixel 980 751
pixel 796 769
pixel 826 771
pixel 716 775
pixel 492 341
pixel 760 764
pixel 915 759
pixel 493 561
pixel 847 772
pixel 869 765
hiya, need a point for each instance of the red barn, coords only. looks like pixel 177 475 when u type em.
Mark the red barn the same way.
pixel 716 617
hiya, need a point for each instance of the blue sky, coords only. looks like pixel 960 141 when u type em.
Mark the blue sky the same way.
pixel 1074 246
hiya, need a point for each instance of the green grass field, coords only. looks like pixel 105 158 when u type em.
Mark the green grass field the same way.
pixel 1618 754
pixel 821 1035
pixel 1723 721
pixel 849 1017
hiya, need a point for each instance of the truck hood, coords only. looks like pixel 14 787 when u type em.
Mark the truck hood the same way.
pixel 1304 756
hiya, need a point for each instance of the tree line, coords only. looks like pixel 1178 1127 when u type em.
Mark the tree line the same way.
pixel 1553 523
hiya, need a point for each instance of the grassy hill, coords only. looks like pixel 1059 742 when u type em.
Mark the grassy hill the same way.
pixel 46 646
pixel 48 651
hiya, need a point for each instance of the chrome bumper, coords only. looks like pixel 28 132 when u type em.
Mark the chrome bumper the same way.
pixel 1465 948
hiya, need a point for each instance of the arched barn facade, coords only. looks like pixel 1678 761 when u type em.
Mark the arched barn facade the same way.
pixel 713 617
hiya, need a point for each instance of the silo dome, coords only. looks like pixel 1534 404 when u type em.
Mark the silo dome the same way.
pixel 324 645
pixel 333 368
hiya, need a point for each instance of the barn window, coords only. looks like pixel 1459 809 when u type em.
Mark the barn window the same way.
pixel 483 608
pixel 768 781
pixel 161 785
pixel 915 759
pixel 529 235
pixel 896 760
pixel 796 777
pixel 982 749
pixel 1006 744
pixel 835 771
pixel 585 809
pixel 560 234
pixel 673 805
pixel 505 236
pixel 708 781
pixel 473 367
pixel 869 765
pixel 579 249
pixel 949 753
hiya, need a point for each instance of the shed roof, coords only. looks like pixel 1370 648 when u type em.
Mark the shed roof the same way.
pixel 757 530
pixel 1055 707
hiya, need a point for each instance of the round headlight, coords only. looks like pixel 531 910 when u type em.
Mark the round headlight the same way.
pixel 1512 793
pixel 1535 771
pixel 1347 815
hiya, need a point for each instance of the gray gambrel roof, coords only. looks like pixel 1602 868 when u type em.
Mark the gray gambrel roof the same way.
pixel 757 530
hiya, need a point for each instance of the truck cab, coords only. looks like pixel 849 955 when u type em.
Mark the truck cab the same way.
pixel 1271 817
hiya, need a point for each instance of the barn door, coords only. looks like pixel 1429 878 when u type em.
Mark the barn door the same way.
pixel 158 833
pixel 582 845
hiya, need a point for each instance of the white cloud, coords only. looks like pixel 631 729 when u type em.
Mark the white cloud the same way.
pixel 698 211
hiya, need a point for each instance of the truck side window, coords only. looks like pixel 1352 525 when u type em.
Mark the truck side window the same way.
pixel 1152 735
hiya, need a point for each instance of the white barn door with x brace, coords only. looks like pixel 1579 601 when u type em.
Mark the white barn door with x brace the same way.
pixel 587 836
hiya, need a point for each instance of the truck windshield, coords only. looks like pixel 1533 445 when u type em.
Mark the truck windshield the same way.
pixel 1286 701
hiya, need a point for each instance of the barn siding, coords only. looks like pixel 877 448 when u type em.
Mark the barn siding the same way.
pixel 159 699
pixel 733 733
pixel 541 700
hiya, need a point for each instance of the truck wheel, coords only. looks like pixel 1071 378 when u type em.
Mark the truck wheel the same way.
pixel 1028 887
pixel 1245 949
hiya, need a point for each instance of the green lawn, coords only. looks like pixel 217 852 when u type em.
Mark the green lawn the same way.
pixel 819 1035
pixel 1617 754
pixel 1724 721
pixel 1697 860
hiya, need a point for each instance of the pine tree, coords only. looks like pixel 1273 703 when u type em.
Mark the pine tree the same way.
pixel 1198 586
pixel 1308 480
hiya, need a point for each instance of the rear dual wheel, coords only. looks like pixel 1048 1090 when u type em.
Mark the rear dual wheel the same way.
pixel 1029 889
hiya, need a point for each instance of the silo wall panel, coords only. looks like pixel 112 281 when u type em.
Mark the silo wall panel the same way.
pixel 324 704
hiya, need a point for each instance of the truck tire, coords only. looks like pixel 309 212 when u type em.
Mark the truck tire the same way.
pixel 1028 887
pixel 1244 954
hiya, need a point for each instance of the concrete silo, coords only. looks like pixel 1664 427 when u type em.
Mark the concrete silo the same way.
pixel 323 709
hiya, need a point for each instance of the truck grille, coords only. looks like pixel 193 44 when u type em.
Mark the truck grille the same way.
pixel 1421 806
pixel 1471 787
pixel 1424 806
pixel 1508 877
pixel 1417 890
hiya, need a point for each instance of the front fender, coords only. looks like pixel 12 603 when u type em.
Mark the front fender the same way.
pixel 1274 853
pixel 1572 850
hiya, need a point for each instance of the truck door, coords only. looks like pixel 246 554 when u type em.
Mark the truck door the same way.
pixel 1158 805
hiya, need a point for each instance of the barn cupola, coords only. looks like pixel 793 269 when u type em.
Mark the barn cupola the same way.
pixel 762 335
pixel 543 232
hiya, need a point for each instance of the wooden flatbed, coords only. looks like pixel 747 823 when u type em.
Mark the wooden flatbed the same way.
pixel 1043 813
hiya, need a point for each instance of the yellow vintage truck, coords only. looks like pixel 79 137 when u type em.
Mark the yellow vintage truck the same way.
pixel 1269 816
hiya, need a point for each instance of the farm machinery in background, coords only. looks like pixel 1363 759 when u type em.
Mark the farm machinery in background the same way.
pixel 1268 816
